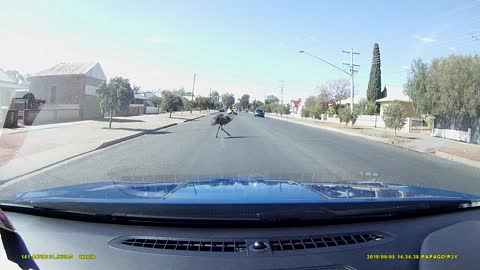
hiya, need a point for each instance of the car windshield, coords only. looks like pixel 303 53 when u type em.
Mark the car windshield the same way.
pixel 190 103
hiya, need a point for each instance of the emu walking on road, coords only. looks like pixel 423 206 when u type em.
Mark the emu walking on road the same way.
pixel 222 120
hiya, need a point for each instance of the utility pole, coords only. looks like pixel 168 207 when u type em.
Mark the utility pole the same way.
pixel 282 86
pixel 211 100
pixel 352 72
pixel 193 90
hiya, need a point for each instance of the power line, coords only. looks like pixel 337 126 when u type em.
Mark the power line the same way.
pixel 460 8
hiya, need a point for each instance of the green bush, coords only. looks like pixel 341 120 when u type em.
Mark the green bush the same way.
pixel 345 116
pixel 317 112
pixel 306 112
pixel 370 109
pixel 331 110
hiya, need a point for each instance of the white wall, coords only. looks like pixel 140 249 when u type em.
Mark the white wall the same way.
pixel 458 135
pixel 362 120
pixel 6 95
pixel 152 110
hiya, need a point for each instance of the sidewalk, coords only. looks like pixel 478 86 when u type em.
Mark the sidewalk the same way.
pixel 28 149
pixel 468 154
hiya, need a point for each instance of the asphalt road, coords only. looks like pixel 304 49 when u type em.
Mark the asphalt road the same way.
pixel 259 147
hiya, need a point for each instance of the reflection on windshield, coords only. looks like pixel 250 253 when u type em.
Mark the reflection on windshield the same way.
pixel 225 191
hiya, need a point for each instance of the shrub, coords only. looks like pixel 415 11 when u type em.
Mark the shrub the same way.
pixel 394 117
pixel 345 116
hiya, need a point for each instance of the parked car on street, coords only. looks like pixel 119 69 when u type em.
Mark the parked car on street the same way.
pixel 259 112
pixel 221 109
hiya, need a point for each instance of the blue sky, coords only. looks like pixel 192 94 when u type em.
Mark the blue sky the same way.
pixel 235 46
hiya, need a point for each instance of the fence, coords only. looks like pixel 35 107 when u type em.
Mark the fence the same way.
pixel 50 115
pixel 419 125
pixel 412 124
pixel 460 129
pixel 133 110
pixel 152 110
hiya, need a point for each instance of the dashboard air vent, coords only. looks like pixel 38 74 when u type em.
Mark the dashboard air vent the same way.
pixel 205 246
pixel 322 242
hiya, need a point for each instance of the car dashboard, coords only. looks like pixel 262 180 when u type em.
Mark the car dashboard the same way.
pixel 444 241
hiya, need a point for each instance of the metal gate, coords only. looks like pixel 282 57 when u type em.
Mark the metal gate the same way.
pixel 419 125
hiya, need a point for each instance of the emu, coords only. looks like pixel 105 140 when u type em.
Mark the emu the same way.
pixel 222 120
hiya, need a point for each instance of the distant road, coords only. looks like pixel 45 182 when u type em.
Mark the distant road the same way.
pixel 260 147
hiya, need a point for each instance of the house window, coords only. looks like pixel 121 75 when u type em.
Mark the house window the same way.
pixel 53 94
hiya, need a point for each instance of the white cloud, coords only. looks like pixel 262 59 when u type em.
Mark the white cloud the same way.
pixel 155 40
pixel 425 39
pixel 453 49
pixel 405 67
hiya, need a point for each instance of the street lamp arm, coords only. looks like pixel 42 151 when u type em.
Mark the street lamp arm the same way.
pixel 326 62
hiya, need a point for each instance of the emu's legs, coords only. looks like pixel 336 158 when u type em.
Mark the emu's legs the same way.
pixel 226 131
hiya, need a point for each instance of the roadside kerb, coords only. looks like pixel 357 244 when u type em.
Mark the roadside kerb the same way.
pixel 102 146
pixel 439 154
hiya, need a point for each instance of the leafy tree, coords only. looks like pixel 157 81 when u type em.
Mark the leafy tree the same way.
pixel 115 96
pixel 155 101
pixel 204 103
pixel 418 89
pixel 346 116
pixel 306 112
pixel 394 117
pixel 317 111
pixel 215 96
pixel 282 109
pixel 271 99
pixel 136 89
pixel 447 88
pixel 218 104
pixel 374 90
pixel 171 102
pixel 316 105
pixel 244 101
pixel 228 100
pixel 310 101
pixel 180 92
pixel 365 107
pixel 187 104
pixel 256 104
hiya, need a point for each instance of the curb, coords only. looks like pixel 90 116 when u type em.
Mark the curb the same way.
pixel 129 137
pixel 103 145
pixel 451 157
pixel 148 131
pixel 439 154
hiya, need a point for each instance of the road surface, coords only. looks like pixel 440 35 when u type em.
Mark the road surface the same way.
pixel 259 147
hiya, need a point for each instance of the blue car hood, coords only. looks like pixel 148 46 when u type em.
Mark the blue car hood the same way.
pixel 237 191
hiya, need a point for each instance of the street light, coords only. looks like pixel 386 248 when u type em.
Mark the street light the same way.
pixel 342 70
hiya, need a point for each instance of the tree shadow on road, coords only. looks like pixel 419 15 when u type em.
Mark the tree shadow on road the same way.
pixel 407 137
pixel 122 120
pixel 184 118
pixel 129 129
pixel 239 137
pixel 160 132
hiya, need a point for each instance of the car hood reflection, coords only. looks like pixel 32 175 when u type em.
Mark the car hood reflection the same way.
pixel 238 191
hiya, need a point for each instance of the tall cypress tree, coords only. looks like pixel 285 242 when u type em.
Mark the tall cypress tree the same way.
pixel 374 90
